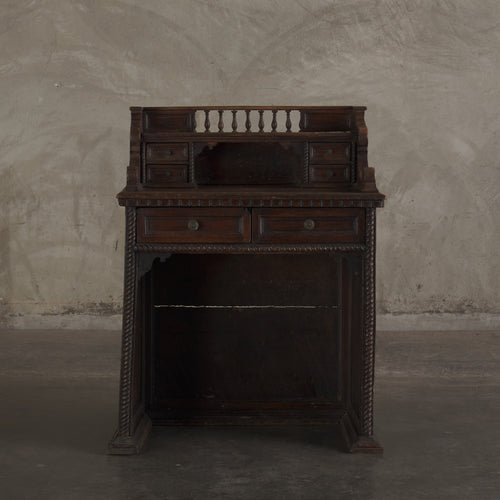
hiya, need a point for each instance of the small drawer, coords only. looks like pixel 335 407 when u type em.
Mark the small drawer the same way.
pixel 167 152
pixel 305 225
pixel 193 225
pixel 329 152
pixel 166 175
pixel 329 174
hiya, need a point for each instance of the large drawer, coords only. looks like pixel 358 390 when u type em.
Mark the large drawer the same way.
pixel 193 225
pixel 308 225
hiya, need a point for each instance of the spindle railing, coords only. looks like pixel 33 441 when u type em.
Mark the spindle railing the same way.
pixel 248 120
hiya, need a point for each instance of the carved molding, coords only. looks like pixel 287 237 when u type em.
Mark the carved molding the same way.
pixel 368 326
pixel 246 248
pixel 268 203
pixel 129 296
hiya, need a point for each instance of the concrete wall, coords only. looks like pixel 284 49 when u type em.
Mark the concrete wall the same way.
pixel 428 70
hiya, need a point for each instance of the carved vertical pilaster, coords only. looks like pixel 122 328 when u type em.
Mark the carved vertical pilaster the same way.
pixel 305 176
pixel 129 292
pixel 368 326
pixel 132 428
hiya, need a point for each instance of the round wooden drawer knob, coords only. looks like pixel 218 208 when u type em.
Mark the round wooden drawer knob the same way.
pixel 193 225
pixel 309 224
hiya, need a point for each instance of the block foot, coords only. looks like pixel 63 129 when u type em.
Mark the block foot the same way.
pixel 130 445
pixel 356 443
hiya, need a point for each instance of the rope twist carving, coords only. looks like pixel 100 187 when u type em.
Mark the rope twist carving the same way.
pixel 238 248
pixel 369 325
pixel 128 326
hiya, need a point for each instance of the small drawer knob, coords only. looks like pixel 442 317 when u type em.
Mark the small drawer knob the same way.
pixel 329 151
pixel 168 153
pixel 167 173
pixel 330 173
pixel 193 225
pixel 309 224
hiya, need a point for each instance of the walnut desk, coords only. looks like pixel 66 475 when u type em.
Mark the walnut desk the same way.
pixel 249 293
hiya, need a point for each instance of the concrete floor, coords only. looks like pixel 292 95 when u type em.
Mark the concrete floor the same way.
pixel 437 415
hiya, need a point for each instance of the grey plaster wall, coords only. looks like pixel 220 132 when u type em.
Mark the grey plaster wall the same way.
pixel 428 70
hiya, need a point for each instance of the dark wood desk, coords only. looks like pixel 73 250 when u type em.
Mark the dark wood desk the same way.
pixel 249 292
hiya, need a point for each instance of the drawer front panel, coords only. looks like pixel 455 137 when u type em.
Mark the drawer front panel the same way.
pixel 329 152
pixel 166 175
pixel 168 152
pixel 329 174
pixel 193 225
pixel 337 225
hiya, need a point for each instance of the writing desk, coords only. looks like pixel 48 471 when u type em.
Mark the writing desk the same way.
pixel 249 293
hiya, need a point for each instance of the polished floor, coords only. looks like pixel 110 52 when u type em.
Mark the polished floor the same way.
pixel 437 416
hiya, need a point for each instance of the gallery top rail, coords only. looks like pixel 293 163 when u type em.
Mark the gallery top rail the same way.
pixel 249 119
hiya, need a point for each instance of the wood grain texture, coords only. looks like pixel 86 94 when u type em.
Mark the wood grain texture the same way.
pixel 276 225
pixel 193 225
pixel 329 152
pixel 165 176
pixel 167 152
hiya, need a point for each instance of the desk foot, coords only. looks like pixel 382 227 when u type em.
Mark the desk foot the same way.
pixel 366 444
pixel 356 443
pixel 130 445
